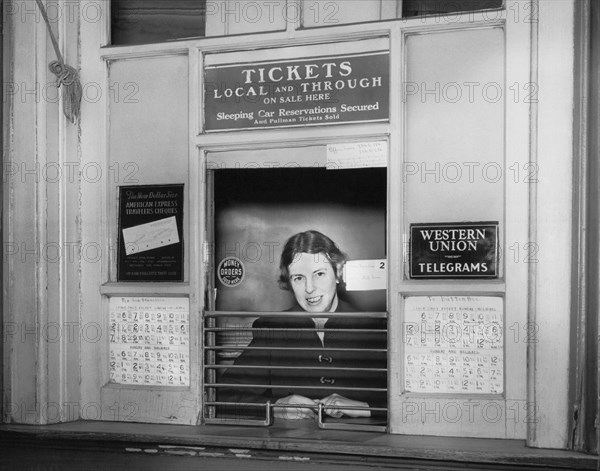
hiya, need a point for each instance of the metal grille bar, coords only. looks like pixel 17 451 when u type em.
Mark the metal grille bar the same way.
pixel 237 341
pixel 289 386
pixel 283 329
pixel 299 349
pixel 330 315
pixel 346 426
pixel 255 367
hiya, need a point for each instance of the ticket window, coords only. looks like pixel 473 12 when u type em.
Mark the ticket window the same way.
pixel 248 320
pixel 460 160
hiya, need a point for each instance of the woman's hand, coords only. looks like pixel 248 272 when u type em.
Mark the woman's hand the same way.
pixel 295 413
pixel 334 406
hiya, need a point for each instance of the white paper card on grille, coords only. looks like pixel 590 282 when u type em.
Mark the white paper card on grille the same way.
pixel 365 275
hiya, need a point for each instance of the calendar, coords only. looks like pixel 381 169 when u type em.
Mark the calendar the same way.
pixel 149 341
pixel 454 344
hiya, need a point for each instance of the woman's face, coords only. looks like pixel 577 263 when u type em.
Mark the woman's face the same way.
pixel 314 282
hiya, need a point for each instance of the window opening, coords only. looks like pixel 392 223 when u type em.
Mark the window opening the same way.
pixel 411 8
pixel 152 21
pixel 313 350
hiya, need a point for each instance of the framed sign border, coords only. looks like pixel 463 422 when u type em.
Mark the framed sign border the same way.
pixel 495 275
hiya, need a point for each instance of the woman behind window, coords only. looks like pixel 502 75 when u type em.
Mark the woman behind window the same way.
pixel 310 359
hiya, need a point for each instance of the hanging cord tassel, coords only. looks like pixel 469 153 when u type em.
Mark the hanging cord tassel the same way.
pixel 66 76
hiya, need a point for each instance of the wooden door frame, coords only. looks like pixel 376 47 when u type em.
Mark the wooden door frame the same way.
pixel 2 219
pixel 583 398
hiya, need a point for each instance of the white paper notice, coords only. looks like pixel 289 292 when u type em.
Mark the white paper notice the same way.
pixel 149 341
pixel 150 235
pixel 454 344
pixel 365 275
pixel 357 155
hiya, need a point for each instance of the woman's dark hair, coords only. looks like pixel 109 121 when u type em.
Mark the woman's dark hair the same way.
pixel 312 242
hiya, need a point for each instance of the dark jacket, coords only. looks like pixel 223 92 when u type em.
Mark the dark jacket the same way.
pixel 307 367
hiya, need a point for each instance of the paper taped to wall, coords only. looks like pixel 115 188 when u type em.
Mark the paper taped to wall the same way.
pixel 365 275
pixel 151 235
pixel 357 155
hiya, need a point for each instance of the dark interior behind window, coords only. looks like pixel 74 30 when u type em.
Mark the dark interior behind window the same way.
pixel 257 210
pixel 438 7
pixel 151 21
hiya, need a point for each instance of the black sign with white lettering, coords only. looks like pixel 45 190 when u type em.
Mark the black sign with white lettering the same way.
pixel 454 250
pixel 301 92
pixel 150 233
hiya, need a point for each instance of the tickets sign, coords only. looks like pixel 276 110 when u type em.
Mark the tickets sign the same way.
pixel 301 92
pixel 454 250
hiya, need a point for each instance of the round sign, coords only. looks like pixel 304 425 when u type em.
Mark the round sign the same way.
pixel 231 271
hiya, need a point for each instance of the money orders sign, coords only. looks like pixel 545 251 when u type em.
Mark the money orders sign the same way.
pixel 308 91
